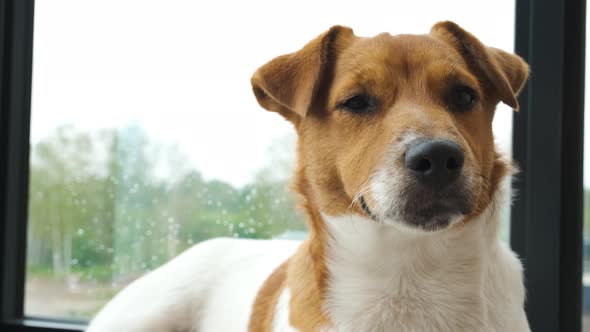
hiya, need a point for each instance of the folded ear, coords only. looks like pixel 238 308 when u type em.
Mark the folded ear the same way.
pixel 289 84
pixel 503 73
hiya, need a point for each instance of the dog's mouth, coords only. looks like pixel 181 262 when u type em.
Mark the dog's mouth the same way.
pixel 424 210
pixel 434 217
pixel 366 208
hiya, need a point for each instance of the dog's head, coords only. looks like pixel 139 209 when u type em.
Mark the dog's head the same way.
pixel 398 128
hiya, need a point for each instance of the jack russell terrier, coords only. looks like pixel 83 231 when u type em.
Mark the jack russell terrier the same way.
pixel 401 186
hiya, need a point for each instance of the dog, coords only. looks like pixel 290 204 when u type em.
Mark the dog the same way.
pixel 401 186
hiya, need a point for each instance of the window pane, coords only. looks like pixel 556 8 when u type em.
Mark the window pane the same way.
pixel 146 138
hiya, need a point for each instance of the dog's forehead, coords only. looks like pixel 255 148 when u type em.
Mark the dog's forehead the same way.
pixel 385 50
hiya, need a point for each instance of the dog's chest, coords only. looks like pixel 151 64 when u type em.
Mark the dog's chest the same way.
pixel 380 280
pixel 403 305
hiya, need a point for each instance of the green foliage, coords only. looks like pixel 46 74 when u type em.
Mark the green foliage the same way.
pixel 101 208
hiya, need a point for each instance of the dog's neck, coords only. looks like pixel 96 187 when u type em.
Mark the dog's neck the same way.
pixel 384 277
pixel 369 274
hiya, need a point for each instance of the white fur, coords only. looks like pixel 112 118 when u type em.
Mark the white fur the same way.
pixel 209 288
pixel 281 318
pixel 389 278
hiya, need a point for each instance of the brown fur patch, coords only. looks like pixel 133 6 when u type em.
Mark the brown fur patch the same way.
pixel 263 310
pixel 307 275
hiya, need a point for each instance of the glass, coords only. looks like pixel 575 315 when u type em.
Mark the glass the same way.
pixel 146 137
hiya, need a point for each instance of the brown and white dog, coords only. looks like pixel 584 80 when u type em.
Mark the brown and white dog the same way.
pixel 401 185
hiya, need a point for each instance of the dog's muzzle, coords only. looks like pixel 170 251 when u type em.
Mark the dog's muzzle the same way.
pixel 436 192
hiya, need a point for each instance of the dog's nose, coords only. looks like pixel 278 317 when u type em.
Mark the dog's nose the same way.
pixel 437 163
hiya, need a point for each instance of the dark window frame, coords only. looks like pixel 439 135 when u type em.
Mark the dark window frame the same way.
pixel 547 217
pixel 548 137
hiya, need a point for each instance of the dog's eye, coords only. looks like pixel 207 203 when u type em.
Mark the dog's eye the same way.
pixel 360 103
pixel 463 98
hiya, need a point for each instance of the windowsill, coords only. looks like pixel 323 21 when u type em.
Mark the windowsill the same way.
pixel 41 324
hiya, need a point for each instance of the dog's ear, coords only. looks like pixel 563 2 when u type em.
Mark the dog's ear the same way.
pixel 504 74
pixel 291 83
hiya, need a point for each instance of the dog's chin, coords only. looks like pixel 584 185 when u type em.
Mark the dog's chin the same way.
pixel 424 223
pixel 431 223
pixel 430 217
pixel 420 208
pixel 431 211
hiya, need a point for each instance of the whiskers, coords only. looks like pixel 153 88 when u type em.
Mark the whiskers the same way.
pixel 362 190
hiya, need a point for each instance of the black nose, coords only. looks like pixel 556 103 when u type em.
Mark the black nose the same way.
pixel 437 163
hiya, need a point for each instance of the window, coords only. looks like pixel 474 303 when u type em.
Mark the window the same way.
pixel 145 139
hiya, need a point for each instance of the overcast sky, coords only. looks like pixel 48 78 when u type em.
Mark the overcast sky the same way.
pixel 181 69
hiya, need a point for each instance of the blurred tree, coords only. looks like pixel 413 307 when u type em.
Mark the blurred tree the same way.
pixel 113 205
